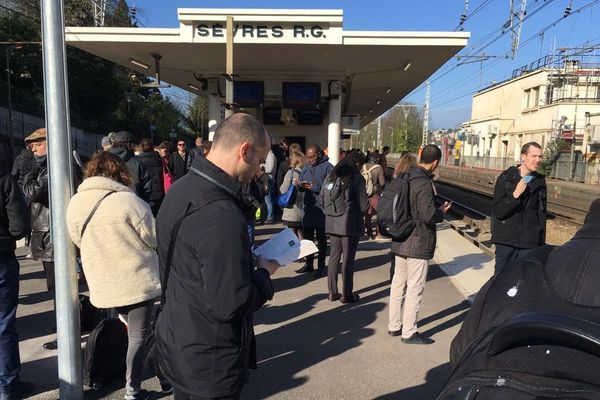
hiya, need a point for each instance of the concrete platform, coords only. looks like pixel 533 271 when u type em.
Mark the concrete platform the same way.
pixel 308 347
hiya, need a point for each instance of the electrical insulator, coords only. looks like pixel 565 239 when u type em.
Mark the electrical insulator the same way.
pixel 567 12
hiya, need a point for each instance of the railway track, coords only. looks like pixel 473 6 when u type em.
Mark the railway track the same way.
pixel 573 215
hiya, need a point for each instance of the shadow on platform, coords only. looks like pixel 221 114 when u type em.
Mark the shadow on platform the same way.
pixel 434 382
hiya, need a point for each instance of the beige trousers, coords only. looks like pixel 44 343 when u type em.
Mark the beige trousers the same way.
pixel 406 291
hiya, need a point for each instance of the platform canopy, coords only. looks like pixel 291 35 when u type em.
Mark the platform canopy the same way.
pixel 376 68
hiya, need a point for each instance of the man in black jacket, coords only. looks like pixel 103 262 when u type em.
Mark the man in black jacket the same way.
pixel 204 334
pixel 14 224
pixel 519 208
pixel 412 254
pixel 182 159
pixel 121 147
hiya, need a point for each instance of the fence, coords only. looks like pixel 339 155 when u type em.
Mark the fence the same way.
pixel 84 142
pixel 584 172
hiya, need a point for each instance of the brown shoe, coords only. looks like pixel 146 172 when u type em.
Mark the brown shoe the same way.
pixel 334 296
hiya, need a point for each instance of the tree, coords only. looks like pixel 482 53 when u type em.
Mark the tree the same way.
pixel 195 119
pixel 551 154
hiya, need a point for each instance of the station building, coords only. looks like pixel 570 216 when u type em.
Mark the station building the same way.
pixel 556 97
pixel 298 71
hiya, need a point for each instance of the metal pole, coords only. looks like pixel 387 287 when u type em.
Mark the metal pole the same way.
pixel 333 130
pixel 229 69
pixel 379 132
pixel 60 191
pixel 11 140
pixel 572 174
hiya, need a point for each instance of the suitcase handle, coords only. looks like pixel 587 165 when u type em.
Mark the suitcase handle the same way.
pixel 530 329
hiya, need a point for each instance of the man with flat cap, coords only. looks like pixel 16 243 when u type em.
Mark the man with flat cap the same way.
pixel 122 148
pixel 35 187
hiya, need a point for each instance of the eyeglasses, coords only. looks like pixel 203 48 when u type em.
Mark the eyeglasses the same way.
pixel 180 144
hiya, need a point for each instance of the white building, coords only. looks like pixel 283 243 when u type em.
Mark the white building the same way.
pixel 549 99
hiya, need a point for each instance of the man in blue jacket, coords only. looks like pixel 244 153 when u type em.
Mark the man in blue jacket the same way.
pixel 313 221
pixel 14 225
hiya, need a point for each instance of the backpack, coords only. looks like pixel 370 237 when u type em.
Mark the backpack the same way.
pixel 105 353
pixel 536 346
pixel 334 198
pixel 89 316
pixel 369 184
pixel 394 218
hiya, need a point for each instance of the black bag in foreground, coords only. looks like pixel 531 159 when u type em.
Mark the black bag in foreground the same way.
pixel 536 334
pixel 528 336
pixel 105 353
pixel 394 218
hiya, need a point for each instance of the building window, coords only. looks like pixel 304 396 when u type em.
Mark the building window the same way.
pixel 526 99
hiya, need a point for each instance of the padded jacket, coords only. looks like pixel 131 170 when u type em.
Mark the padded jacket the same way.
pixel 422 240
pixel 313 214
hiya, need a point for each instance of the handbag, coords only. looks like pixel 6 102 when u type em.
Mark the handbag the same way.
pixel 288 199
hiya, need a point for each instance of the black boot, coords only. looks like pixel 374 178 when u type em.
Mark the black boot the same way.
pixel 305 268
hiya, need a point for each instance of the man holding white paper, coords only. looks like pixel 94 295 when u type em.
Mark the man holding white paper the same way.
pixel 204 335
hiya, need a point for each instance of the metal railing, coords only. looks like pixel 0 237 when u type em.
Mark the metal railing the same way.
pixel 580 171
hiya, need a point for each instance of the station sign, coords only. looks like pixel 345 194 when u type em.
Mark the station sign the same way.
pixel 262 31
pixel 262 26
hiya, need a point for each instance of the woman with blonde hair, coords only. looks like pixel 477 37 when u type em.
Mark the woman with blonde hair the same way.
pixel 406 161
pixel 292 216
pixel 116 233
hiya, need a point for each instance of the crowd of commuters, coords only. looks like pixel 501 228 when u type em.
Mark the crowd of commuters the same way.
pixel 148 218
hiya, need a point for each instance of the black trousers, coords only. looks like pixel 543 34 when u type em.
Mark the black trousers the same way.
pixel 309 234
pixel 179 395
pixel 507 255
pixel 346 246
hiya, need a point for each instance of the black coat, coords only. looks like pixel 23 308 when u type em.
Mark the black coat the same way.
pixel 351 223
pixel 142 183
pixel 181 165
pixel 519 222
pixel 313 216
pixel 154 168
pixel 14 216
pixel 422 240
pixel 204 335
pixel 566 284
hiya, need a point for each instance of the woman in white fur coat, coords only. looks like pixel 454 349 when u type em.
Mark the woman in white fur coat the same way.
pixel 118 254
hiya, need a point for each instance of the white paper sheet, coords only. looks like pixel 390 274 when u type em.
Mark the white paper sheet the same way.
pixel 285 247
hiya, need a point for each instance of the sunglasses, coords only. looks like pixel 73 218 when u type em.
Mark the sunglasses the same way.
pixel 180 144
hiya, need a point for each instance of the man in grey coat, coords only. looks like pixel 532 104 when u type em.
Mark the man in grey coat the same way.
pixel 413 254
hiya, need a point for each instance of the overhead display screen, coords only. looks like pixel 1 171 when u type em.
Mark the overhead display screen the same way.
pixel 301 95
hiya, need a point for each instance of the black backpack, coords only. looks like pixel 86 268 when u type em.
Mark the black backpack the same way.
pixel 543 348
pixel 105 353
pixel 394 218
pixel 89 316
pixel 334 197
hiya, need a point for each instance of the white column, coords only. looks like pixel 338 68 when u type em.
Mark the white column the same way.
pixel 333 130
pixel 214 114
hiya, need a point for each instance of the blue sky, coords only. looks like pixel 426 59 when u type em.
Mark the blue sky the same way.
pixel 451 87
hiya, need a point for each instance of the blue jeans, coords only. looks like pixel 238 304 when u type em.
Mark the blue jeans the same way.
pixel 10 362
pixel 269 200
